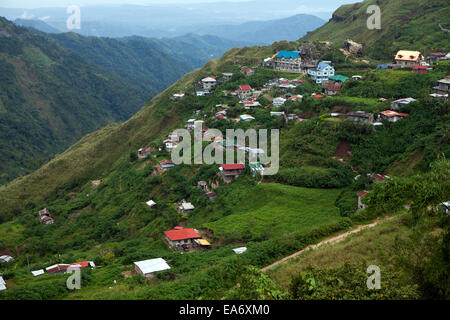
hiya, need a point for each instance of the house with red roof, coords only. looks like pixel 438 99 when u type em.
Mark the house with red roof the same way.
pixel 230 172
pixel 181 238
pixel 420 69
pixel 57 268
pixel 361 195
pixel 144 152
pixel 379 177
pixel 166 164
pixel 332 89
pixel 245 91
pixel 45 218
pixel 392 116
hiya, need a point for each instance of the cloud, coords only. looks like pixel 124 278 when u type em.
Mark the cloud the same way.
pixel 26 16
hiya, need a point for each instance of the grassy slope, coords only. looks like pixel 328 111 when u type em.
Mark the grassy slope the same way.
pixel 272 209
pixel 405 24
pixel 368 246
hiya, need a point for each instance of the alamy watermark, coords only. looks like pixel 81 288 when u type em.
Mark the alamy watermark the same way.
pixel 74 21
pixel 213 153
pixel 374 21
pixel 374 280
pixel 74 281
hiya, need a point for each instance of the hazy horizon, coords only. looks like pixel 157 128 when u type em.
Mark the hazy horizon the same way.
pixel 157 18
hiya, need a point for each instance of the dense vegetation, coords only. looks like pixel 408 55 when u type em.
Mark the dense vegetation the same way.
pixel 49 98
pixel 137 62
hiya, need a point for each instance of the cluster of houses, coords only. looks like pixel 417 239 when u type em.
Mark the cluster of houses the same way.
pixel 368 118
pixel 203 186
pixel 61 268
pixel 45 217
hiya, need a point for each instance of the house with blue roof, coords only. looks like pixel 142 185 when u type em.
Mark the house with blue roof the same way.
pixel 288 61
pixel 322 72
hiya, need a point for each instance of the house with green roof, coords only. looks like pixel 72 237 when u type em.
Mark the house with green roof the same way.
pixel 338 78
pixel 287 61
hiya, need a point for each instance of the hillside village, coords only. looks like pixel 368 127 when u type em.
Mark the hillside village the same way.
pixel 151 229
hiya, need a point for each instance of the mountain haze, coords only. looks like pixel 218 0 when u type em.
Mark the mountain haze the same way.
pixel 267 32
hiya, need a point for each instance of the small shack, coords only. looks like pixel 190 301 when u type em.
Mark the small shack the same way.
pixel 148 267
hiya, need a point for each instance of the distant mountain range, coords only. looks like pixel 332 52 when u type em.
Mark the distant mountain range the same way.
pixel 267 32
pixel 252 32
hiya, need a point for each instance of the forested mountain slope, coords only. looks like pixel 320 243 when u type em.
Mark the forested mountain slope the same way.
pixel 138 62
pixel 50 97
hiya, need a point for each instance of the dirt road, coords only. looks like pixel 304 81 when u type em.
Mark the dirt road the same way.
pixel 332 240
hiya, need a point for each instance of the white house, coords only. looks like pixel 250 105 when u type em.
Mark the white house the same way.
pixel 178 95
pixel 191 124
pixel 2 284
pixel 38 273
pixel 150 203
pixel 246 117
pixel 202 93
pixel 277 113
pixel 186 207
pixel 239 250
pixel 227 76
pixel 209 83
pixel 322 72
pixel 278 102
pixel 361 195
pixel 6 259
pixel 407 58
pixel 147 267
pixel 401 102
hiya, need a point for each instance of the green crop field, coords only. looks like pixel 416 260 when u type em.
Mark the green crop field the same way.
pixel 270 209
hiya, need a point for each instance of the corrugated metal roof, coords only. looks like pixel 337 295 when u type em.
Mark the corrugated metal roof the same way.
pixel 37 273
pixel 182 234
pixel 240 250
pixel 288 54
pixel 152 265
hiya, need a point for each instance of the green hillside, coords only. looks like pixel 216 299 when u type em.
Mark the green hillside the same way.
pixel 137 62
pixel 405 24
pixel 51 97
pixel 324 162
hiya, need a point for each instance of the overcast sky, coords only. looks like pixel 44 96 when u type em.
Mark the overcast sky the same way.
pixel 30 4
